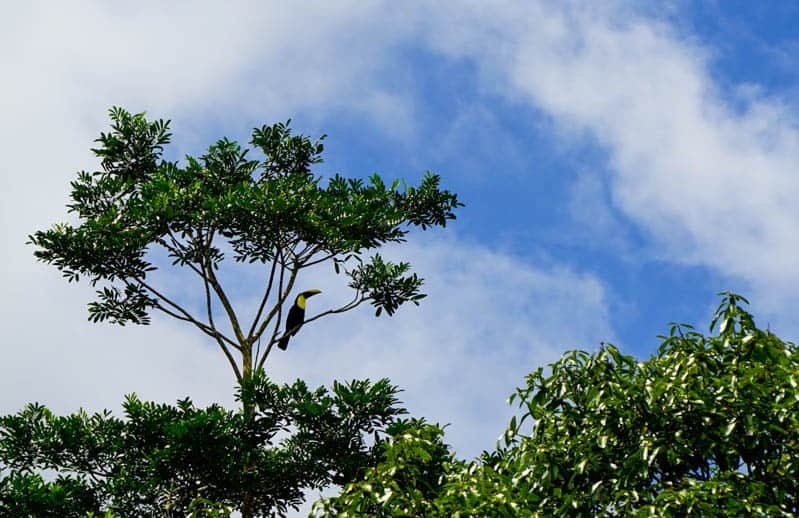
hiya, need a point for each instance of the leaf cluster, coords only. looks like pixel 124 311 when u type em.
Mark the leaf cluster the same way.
pixel 413 462
pixel 172 460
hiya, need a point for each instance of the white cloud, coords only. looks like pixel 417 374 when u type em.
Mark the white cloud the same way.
pixel 51 354
pixel 714 184
pixel 598 225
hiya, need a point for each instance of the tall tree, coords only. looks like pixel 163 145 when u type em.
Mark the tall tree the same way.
pixel 708 426
pixel 273 213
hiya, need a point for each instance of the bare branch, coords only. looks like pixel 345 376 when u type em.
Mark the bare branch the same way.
pixel 181 314
pixel 265 297
pixel 178 316
pixel 299 255
pixel 210 276
pixel 317 261
pixel 275 332
pixel 225 350
pixel 354 303
pixel 284 293
pixel 177 248
pixel 231 360
pixel 291 250
pixel 216 335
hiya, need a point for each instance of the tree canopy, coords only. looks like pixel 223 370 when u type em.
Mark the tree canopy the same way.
pixel 170 460
pixel 273 213
pixel 708 426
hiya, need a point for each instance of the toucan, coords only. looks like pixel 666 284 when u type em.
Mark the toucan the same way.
pixel 296 317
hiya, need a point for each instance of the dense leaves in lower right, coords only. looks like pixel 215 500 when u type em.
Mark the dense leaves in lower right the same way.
pixel 709 426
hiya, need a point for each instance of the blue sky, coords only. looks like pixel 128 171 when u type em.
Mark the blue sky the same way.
pixel 620 163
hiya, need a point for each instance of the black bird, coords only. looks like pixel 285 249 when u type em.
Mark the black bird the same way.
pixel 296 317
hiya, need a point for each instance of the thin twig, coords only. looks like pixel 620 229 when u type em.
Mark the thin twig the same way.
pixel 347 307
pixel 317 261
pixel 265 297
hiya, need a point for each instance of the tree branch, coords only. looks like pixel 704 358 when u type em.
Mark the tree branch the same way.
pixel 359 299
pixel 182 314
pixel 265 297
pixel 177 249
pixel 276 310
pixel 298 256
pixel 320 260
pixel 225 350
pixel 281 300
pixel 208 271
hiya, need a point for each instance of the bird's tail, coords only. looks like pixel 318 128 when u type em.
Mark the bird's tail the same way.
pixel 283 343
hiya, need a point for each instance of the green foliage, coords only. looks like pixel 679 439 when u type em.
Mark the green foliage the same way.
pixel 404 482
pixel 27 494
pixel 273 212
pixel 386 283
pixel 709 426
pixel 176 460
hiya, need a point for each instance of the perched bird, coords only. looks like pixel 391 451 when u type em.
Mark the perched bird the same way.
pixel 296 317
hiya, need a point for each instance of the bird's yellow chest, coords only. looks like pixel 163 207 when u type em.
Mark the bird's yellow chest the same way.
pixel 300 302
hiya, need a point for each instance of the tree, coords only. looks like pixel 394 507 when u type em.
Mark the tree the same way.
pixel 708 426
pixel 274 215
pixel 406 482
pixel 174 460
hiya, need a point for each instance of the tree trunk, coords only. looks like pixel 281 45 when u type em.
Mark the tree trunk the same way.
pixel 248 503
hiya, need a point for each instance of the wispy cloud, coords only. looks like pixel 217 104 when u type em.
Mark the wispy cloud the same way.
pixel 712 182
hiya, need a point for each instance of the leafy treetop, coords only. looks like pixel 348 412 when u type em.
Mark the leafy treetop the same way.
pixel 271 211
